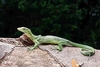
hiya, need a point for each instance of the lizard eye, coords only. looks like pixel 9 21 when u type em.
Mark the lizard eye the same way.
pixel 24 28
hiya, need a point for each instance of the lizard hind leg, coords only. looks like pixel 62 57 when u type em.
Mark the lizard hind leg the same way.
pixel 60 46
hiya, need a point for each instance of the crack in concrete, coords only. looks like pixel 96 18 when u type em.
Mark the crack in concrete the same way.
pixel 55 59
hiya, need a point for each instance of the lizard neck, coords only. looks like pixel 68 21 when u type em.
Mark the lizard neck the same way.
pixel 30 35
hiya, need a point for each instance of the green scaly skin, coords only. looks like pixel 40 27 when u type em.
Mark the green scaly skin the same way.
pixel 86 50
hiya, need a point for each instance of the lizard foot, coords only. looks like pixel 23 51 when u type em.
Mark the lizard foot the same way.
pixel 30 49
pixel 56 48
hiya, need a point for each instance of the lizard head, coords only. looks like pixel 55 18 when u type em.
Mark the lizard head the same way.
pixel 27 32
pixel 24 29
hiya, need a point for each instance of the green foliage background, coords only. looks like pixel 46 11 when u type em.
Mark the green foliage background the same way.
pixel 64 18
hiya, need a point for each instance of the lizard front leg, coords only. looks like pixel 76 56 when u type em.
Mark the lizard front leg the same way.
pixel 38 37
pixel 35 45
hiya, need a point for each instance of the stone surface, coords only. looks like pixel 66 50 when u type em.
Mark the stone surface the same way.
pixel 69 53
pixel 46 56
pixel 5 49
pixel 2 54
pixel 20 57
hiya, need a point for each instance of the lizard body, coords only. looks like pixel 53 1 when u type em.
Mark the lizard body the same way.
pixel 86 50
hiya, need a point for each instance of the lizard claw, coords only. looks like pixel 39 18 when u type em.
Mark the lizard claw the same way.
pixel 30 49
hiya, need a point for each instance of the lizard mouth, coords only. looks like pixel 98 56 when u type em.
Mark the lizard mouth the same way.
pixel 18 29
pixel 21 28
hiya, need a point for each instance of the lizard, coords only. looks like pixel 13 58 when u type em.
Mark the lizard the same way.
pixel 38 39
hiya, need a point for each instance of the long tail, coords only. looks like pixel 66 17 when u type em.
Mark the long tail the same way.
pixel 86 50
